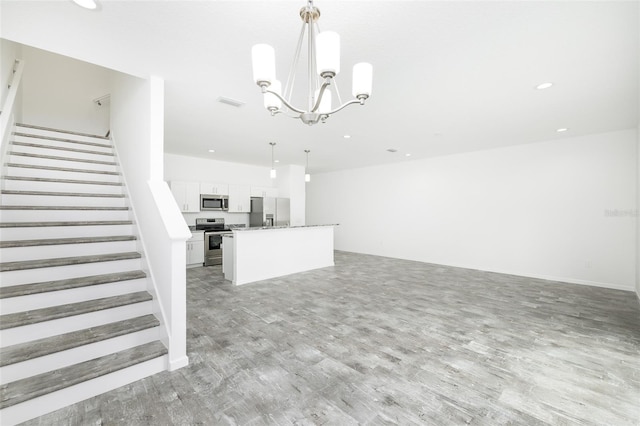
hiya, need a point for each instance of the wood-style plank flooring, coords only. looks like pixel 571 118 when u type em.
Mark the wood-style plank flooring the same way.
pixel 380 341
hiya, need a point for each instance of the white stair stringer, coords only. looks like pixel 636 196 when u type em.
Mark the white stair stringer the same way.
pixel 69 267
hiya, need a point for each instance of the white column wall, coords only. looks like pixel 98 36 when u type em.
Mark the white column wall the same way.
pixel 542 210
pixel 291 185
pixel 137 123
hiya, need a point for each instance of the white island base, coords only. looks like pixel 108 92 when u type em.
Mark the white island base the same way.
pixel 256 254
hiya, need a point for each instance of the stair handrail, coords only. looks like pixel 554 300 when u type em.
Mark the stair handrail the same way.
pixel 7 116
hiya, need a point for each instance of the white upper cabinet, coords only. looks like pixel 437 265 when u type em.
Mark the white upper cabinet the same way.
pixel 264 191
pixel 239 199
pixel 213 188
pixel 187 195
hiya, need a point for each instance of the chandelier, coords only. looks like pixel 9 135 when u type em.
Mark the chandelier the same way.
pixel 323 66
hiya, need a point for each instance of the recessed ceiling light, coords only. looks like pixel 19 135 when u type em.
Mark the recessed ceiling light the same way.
pixel 87 4
pixel 276 161
pixel 407 155
pixel 212 150
pixel 562 129
pixel 544 85
pixel 347 136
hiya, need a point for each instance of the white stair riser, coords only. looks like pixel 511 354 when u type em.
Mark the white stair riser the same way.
pixel 28 333
pixel 55 174
pixel 45 300
pixel 54 401
pixel 64 144
pixel 15 254
pixel 12 234
pixel 58 200
pixel 71 271
pixel 61 135
pixel 62 215
pixel 21 159
pixel 50 150
pixel 30 185
pixel 22 370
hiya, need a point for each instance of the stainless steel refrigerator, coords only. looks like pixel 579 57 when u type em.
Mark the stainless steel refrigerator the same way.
pixel 269 211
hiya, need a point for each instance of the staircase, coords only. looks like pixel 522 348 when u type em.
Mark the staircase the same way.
pixel 76 318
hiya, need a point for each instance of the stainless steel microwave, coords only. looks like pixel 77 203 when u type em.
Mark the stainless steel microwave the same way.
pixel 214 202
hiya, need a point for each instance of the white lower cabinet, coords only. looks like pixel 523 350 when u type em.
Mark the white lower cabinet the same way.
pixel 195 249
pixel 239 199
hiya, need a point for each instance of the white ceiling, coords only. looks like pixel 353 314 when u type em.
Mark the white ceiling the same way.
pixel 449 76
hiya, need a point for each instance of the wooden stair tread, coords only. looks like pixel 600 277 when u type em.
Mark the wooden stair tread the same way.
pixel 66 261
pixel 70 132
pixel 64 223
pixel 20 319
pixel 69 283
pixel 61 148
pixel 42 384
pixel 53 157
pixel 62 169
pixel 60 194
pixel 74 181
pixel 62 342
pixel 62 241
pixel 52 138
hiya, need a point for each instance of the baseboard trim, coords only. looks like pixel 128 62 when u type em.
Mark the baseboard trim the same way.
pixel 567 280
pixel 178 363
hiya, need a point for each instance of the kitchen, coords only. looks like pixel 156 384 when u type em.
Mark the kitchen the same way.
pixel 216 199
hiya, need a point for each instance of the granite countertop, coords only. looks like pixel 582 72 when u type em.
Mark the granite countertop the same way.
pixel 262 228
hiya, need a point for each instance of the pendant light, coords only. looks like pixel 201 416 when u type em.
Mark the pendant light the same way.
pixel 307 176
pixel 273 167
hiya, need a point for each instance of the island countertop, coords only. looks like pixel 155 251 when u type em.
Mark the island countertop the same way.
pixel 262 228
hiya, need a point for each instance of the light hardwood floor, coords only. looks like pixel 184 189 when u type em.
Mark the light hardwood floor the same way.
pixel 375 341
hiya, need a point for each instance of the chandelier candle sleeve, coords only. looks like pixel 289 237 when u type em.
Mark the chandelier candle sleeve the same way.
pixel 362 80
pixel 264 63
pixel 271 101
pixel 325 102
pixel 328 53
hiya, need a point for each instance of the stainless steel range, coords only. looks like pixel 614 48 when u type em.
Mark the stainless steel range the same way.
pixel 213 228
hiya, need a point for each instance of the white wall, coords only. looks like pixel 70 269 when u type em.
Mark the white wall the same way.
pixel 638 211
pixel 137 122
pixel 58 92
pixel 9 52
pixel 541 210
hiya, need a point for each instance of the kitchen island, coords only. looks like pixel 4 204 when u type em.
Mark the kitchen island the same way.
pixel 255 254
